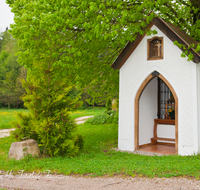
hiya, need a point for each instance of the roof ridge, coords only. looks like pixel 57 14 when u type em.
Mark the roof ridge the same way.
pixel 170 30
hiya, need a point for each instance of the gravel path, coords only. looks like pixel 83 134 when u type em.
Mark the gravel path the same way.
pixel 56 182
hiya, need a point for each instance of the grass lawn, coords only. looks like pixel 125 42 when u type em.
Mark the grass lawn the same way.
pixel 90 111
pixel 9 115
pixel 97 158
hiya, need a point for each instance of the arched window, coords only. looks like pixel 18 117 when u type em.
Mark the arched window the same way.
pixel 166 102
pixel 155 48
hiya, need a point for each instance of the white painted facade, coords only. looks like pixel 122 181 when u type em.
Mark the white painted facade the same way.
pixel 147 112
pixel 184 76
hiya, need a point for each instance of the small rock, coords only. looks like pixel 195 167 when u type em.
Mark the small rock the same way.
pixel 20 149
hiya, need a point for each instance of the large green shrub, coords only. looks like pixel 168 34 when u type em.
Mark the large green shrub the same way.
pixel 54 135
pixel 23 128
pixel 48 121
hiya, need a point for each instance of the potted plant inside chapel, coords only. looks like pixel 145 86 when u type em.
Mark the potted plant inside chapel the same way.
pixel 171 113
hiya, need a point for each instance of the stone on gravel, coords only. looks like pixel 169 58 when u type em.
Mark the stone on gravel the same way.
pixel 20 149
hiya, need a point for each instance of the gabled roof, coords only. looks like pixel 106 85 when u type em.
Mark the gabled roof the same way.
pixel 171 31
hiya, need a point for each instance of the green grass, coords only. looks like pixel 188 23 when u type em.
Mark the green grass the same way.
pixel 97 159
pixel 7 116
pixel 90 111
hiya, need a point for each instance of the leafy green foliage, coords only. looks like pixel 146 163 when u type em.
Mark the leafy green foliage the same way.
pixel 23 127
pixel 98 119
pixel 113 117
pixel 63 46
pixel 106 117
pixel 11 73
pixel 109 105
pixel 82 39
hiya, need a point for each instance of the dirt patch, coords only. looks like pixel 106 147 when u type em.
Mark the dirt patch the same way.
pixel 5 132
pixel 83 119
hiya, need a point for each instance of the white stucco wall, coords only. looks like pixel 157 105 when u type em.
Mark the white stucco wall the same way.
pixel 166 131
pixel 147 112
pixel 181 74
pixel 198 103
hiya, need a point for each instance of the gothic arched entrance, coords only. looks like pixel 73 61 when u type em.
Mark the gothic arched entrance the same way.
pixel 137 98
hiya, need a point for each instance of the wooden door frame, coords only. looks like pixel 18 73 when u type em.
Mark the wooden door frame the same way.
pixel 137 98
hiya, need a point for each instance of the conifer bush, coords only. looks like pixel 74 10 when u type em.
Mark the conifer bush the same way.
pixel 48 121
pixel 23 128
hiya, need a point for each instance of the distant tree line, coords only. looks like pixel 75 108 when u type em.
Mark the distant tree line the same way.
pixel 11 73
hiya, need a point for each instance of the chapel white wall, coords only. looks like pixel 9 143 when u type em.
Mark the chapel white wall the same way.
pixel 179 72
pixel 147 112
pixel 198 103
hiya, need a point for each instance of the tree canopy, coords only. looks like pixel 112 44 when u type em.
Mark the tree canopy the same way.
pixel 84 37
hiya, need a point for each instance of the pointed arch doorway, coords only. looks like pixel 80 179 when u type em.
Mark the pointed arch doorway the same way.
pixel 137 102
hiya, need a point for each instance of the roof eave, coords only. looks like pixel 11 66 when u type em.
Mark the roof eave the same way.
pixel 169 32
